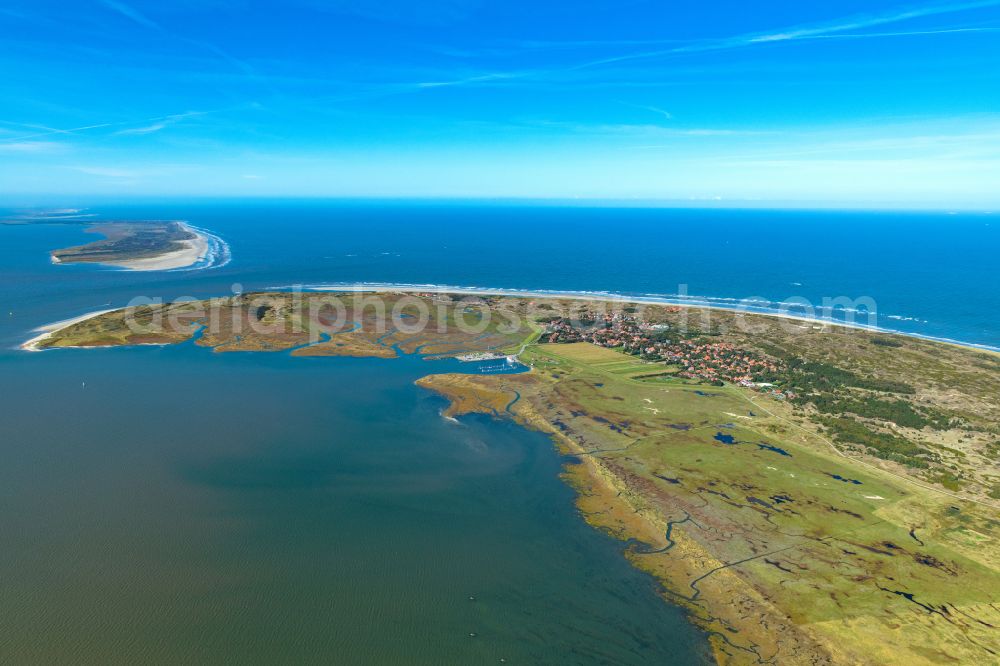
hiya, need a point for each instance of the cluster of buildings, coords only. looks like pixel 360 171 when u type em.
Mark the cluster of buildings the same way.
pixel 714 362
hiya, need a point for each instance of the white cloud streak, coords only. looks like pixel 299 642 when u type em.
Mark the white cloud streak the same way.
pixel 160 123
pixel 794 33
pixel 472 79
pixel 666 115
pixel 131 14
pixel 134 15
pixel 646 131
pixel 105 172
pixel 49 131
pixel 29 147
pixel 872 20
pixel 146 125
pixel 903 33
pixel 828 30
pixel 149 129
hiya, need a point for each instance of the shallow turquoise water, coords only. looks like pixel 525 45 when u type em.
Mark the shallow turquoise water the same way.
pixel 172 505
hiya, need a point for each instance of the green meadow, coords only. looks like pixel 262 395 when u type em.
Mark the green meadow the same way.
pixel 835 544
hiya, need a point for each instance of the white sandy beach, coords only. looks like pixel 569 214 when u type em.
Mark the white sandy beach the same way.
pixel 815 322
pixel 47 331
pixel 195 250
pixel 819 324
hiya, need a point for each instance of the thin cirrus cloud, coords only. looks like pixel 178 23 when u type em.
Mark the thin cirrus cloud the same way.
pixel 138 17
pixel 903 33
pixel 836 29
pixel 794 33
pixel 29 147
pixel 870 21
pixel 146 172
pixel 111 91
pixel 649 131
pixel 106 172
pixel 160 123
pixel 49 131
pixel 148 129
pixel 131 13
pixel 148 126
pixel 495 76
pixel 663 113
pixel 70 131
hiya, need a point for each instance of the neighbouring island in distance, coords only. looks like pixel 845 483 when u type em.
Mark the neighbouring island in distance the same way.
pixel 810 493
pixel 140 245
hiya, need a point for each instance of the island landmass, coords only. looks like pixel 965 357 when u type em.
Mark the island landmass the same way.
pixel 140 245
pixel 810 493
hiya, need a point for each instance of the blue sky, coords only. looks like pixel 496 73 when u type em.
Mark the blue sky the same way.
pixel 847 103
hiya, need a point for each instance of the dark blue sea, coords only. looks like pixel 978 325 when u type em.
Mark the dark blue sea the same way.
pixel 931 274
pixel 174 505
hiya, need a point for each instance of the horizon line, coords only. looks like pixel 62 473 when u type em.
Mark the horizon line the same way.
pixel 44 200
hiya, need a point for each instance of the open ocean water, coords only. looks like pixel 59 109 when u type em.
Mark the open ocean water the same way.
pixel 931 274
pixel 171 505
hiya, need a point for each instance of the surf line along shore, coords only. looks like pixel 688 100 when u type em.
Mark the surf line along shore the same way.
pixel 47 331
pixel 695 304
pixel 146 246
pixel 195 250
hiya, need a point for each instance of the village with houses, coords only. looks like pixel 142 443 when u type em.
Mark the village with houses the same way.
pixel 695 357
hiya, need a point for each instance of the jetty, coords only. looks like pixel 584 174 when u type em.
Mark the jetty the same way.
pixel 486 356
